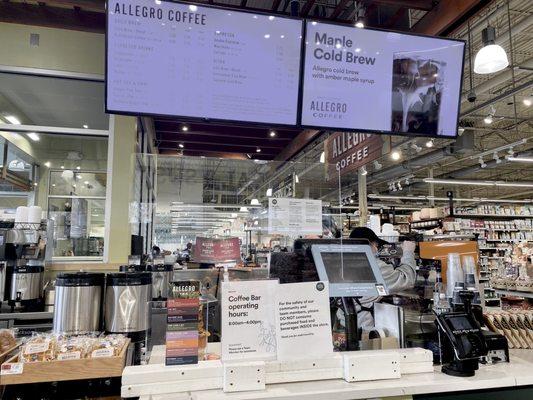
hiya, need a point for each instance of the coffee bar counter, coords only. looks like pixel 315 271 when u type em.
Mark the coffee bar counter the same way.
pixel 503 376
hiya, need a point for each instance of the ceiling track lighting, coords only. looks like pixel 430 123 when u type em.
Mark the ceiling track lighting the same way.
pixel 520 159
pixel 416 147
pixel 497 159
pixel 509 148
pixel 430 143
pixel 491 57
pixel 377 165
pixel 481 162
pixel 445 199
pixel 478 183
pixel 360 17
pixel 363 170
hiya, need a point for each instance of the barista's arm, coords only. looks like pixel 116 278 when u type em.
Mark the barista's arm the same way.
pixel 403 277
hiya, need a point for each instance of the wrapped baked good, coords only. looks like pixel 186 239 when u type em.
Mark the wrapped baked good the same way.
pixel 39 348
pixel 7 340
pixel 107 346
pixel 73 348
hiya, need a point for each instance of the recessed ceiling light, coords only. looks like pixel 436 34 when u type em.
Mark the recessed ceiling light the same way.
pixel 430 143
pixel 78 167
pixel 272 133
pixel 12 119
pixel 258 150
pixel 85 126
pixel 86 182
pixel 47 164
pixel 193 8
pixel 34 136
pixel 53 185
pixel 79 176
pixel 185 128
pixel 181 146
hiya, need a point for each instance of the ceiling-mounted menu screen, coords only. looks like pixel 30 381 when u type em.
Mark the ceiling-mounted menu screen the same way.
pixel 361 79
pixel 201 62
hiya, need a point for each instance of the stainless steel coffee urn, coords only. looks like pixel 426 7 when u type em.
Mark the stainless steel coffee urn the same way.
pixel 126 302
pixel 161 278
pixel 78 302
pixel 26 284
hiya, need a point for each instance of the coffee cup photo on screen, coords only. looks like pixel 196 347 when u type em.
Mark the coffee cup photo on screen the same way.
pixel 417 88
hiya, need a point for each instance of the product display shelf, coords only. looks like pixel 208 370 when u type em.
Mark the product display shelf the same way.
pixel 496 216
pixel 514 293
pixel 63 370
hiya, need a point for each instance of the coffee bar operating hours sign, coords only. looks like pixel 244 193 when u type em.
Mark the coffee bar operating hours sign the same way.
pixel 348 151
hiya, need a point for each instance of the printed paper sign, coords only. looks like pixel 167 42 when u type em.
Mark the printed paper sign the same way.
pixel 248 320
pixel 294 216
pixel 303 323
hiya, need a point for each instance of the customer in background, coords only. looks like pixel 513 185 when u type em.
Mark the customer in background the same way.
pixel 396 279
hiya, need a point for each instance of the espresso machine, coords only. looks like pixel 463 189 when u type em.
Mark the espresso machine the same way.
pixel 25 255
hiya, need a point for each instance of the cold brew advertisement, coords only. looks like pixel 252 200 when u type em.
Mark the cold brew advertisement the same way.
pixel 185 60
pixel 381 81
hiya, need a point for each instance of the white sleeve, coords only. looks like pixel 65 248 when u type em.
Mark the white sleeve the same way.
pixel 401 278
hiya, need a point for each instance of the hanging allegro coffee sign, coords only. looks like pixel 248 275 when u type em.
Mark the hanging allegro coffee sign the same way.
pixel 348 151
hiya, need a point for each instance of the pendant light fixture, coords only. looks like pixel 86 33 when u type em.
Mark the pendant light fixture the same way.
pixel 491 57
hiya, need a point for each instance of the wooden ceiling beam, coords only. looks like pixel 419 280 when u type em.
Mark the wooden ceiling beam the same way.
pixel 306 8
pixel 52 17
pixel 217 148
pixel 275 5
pixel 85 5
pixel 444 15
pixel 241 143
pixel 425 5
pixel 175 135
pixel 340 8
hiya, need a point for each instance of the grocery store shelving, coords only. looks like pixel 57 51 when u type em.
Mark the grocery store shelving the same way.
pixel 504 216
pixel 516 293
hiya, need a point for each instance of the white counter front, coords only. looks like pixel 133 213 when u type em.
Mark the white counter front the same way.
pixel 519 372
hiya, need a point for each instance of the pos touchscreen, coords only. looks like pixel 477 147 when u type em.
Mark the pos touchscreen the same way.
pixel 351 270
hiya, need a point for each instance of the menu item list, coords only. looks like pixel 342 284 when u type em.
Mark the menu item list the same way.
pixel 187 60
